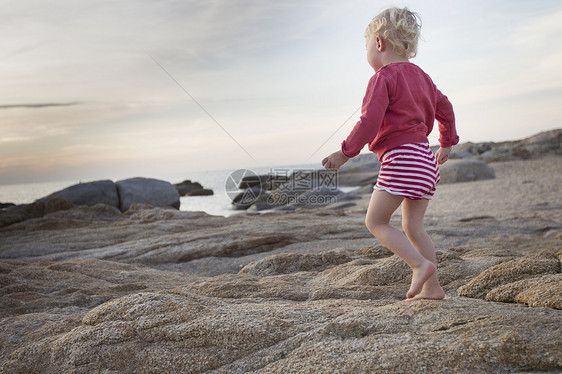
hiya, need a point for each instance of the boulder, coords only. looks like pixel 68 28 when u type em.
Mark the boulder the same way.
pixel 189 188
pixel 316 195
pixel 248 197
pixel 321 197
pixel 91 193
pixel 20 213
pixel 544 143
pixel 465 170
pixel 489 283
pixel 6 205
pixel 361 170
pixel 147 191
pixel 253 180
pixel 201 192
pixel 276 178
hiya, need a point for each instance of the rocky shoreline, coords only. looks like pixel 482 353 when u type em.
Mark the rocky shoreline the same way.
pixel 153 289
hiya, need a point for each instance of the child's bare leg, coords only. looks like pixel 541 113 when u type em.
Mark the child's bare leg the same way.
pixel 381 207
pixel 413 212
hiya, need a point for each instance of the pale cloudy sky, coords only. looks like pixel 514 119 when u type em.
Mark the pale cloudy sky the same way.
pixel 82 98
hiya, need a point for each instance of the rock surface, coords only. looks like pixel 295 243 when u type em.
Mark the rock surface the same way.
pixel 360 170
pixel 93 289
pixel 146 191
pixel 189 188
pixel 90 193
pixel 20 213
pixel 456 171
pixel 539 145
pixel 121 195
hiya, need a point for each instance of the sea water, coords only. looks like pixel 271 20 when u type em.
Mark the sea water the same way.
pixel 219 203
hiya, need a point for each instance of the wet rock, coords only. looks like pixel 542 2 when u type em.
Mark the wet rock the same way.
pixel 251 196
pixel 189 188
pixel 309 198
pixel 201 192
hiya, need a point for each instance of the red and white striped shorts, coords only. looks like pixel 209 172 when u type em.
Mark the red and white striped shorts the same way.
pixel 409 170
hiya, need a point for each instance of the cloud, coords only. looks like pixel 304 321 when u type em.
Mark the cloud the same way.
pixel 277 75
pixel 39 105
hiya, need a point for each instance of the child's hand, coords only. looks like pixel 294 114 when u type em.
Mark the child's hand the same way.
pixel 442 155
pixel 334 161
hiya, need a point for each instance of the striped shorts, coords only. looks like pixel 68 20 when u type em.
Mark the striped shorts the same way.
pixel 409 170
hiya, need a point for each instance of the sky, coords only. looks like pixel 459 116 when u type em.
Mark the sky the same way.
pixel 116 89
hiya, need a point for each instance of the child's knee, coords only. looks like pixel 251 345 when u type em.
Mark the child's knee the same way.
pixel 372 224
pixel 412 230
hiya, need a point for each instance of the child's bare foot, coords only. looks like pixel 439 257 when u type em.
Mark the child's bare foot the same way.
pixel 419 276
pixel 432 294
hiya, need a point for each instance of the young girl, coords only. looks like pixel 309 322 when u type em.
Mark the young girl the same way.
pixel 399 109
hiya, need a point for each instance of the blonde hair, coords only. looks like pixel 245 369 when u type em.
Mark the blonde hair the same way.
pixel 398 27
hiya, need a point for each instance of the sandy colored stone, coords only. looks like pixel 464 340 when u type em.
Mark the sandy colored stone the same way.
pixel 511 271
pixel 293 262
pixel 180 332
pixel 376 251
pixel 93 290
pixel 543 291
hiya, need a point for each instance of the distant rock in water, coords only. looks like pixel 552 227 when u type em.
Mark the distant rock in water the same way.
pixel 120 195
pixel 189 188
pixel 147 191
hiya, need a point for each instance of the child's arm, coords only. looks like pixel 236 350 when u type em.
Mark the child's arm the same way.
pixel 442 155
pixel 446 118
pixel 374 106
pixel 447 131
pixel 373 110
pixel 334 161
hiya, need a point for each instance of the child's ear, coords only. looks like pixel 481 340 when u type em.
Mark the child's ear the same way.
pixel 380 43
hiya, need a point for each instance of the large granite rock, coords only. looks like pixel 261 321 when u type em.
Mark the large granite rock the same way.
pixel 91 193
pixel 544 143
pixel 336 311
pixel 19 213
pixel 95 290
pixel 532 280
pixel 454 171
pixel 147 191
pixel 6 205
pixel 121 196
pixel 361 170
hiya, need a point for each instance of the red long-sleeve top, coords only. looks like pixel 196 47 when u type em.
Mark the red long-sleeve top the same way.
pixel 400 107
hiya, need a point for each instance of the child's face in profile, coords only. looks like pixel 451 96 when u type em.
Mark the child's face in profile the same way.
pixel 373 51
